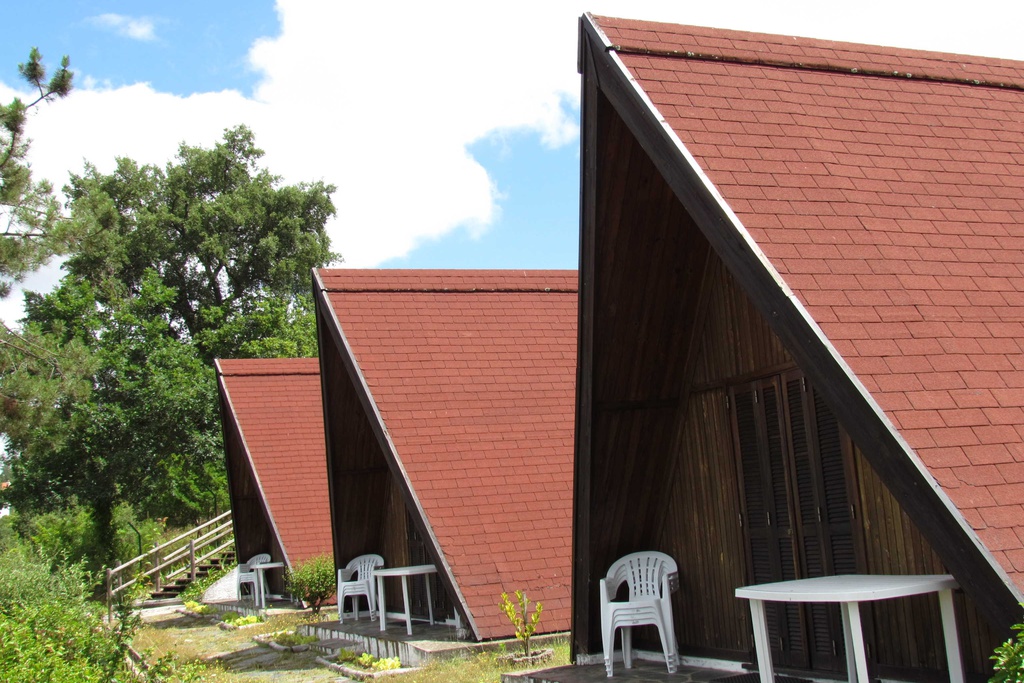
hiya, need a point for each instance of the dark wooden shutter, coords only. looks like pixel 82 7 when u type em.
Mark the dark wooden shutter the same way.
pixel 824 532
pixel 796 507
pixel 760 441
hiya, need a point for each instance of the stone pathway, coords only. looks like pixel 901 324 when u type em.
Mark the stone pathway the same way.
pixel 233 649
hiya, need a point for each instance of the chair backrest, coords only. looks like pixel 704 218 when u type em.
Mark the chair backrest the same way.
pixel 644 572
pixel 255 559
pixel 364 565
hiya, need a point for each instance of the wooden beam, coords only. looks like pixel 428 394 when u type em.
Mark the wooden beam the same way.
pixel 583 581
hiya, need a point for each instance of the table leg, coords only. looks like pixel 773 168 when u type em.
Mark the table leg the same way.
pixel 853 635
pixel 258 598
pixel 381 602
pixel 430 601
pixel 408 612
pixel 761 645
pixel 956 664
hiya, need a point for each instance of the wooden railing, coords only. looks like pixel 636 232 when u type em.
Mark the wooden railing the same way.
pixel 177 557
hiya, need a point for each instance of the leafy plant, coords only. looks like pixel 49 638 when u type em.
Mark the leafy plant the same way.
pixel 290 639
pixel 367 661
pixel 236 619
pixel 1009 659
pixel 524 623
pixel 197 607
pixel 312 581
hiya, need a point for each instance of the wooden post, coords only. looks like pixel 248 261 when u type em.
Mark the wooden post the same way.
pixel 110 595
pixel 192 559
pixel 156 563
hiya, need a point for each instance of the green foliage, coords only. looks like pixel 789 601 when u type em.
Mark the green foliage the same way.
pixel 221 232
pixel 49 631
pixel 290 639
pixel 368 661
pixel 524 623
pixel 1009 659
pixel 71 535
pixel 29 214
pixel 312 581
pixel 236 619
pixel 109 395
pixel 198 608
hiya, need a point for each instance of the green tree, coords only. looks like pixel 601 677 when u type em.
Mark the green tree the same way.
pixel 217 229
pixel 29 213
pixel 115 399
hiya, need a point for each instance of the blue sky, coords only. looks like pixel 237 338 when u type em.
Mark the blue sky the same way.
pixel 450 129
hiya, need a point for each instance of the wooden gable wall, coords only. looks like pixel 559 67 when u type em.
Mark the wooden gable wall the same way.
pixel 665 330
pixel 359 480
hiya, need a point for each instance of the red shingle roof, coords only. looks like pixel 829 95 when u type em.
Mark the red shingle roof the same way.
pixel 473 373
pixel 886 188
pixel 277 407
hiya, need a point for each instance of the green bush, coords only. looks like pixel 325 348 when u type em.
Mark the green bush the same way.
pixel 49 631
pixel 1009 659
pixel 312 581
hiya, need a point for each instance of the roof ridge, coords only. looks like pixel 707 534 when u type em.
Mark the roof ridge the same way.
pixel 805 66
pixel 451 290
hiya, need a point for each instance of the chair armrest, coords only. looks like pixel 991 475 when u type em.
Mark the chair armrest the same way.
pixel 671 582
pixel 603 591
pixel 345 575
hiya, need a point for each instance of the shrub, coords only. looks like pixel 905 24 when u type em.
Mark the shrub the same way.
pixel 291 639
pixel 48 630
pixel 1009 659
pixel 525 624
pixel 312 581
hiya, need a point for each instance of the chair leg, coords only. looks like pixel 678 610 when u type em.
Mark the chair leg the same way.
pixel 627 646
pixel 668 647
pixel 609 648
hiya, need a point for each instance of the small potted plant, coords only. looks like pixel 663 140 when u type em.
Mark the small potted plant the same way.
pixel 525 625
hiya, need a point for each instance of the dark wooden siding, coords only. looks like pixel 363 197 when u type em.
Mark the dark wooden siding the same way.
pixel 249 517
pixel 894 545
pixel 358 474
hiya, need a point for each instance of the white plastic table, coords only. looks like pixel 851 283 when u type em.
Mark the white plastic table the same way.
pixel 404 573
pixel 849 591
pixel 261 581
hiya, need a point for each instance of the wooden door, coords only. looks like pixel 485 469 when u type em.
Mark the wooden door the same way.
pixel 796 514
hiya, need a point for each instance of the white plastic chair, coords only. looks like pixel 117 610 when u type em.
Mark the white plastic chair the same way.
pixel 652 578
pixel 357 579
pixel 248 575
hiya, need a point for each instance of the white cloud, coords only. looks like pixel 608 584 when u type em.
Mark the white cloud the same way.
pixel 129 27
pixel 383 99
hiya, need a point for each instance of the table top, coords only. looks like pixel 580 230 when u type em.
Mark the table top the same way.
pixel 267 565
pixel 406 571
pixel 848 588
